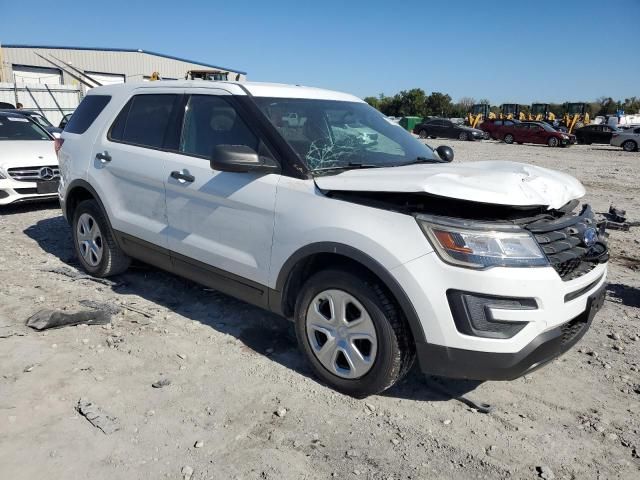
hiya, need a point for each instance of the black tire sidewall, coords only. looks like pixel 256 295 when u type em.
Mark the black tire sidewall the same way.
pixel 92 208
pixel 550 140
pixel 627 142
pixel 509 142
pixel 383 373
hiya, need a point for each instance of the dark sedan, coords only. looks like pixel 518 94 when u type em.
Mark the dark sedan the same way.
pixel 441 127
pixel 595 134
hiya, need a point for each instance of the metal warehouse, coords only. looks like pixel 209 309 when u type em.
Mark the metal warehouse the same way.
pixel 53 79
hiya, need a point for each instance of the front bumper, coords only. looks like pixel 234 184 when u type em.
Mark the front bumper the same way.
pixel 12 191
pixel 475 365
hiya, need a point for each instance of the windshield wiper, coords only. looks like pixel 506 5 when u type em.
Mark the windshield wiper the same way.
pixel 348 166
pixel 419 160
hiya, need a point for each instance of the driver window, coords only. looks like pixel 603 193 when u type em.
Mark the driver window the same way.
pixel 209 121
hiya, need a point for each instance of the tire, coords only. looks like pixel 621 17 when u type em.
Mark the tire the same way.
pixel 432 136
pixel 520 143
pixel 386 337
pixel 508 138
pixel 422 134
pixel 94 243
pixel 463 136
pixel 629 146
pixel 553 142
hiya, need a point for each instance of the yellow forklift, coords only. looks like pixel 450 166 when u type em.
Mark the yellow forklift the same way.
pixel 575 116
pixel 479 113
pixel 215 75
pixel 511 111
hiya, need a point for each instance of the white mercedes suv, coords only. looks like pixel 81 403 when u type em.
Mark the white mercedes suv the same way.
pixel 377 247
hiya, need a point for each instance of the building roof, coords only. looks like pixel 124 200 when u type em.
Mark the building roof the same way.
pixel 128 50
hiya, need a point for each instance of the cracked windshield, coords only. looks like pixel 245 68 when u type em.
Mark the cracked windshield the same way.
pixel 334 135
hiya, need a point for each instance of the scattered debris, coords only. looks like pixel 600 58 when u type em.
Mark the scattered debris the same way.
pixel 187 472
pixel 135 309
pixel 46 319
pixel 198 444
pixel 163 382
pixel 77 275
pixel 97 417
pixel 447 422
pixel 181 356
pixel 545 472
pixel 29 368
pixel 281 412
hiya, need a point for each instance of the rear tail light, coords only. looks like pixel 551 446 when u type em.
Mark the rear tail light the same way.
pixel 57 144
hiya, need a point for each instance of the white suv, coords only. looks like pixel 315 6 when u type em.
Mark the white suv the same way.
pixel 378 251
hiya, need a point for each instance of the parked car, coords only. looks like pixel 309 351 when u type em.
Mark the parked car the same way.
pixel 40 120
pixel 493 127
pixel 28 164
pixel 627 139
pixel 441 127
pixel 378 252
pixel 536 132
pixel 595 134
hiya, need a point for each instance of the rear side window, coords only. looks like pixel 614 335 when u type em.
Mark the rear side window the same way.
pixel 86 113
pixel 144 120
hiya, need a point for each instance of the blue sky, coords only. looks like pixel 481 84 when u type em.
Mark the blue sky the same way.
pixel 506 51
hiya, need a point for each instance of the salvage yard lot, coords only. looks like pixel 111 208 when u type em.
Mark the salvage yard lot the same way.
pixel 242 403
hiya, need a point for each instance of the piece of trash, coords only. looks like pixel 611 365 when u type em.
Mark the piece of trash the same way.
pixel 617 214
pixel 45 319
pixel 135 309
pixel 163 382
pixel 77 275
pixel 111 308
pixel 97 417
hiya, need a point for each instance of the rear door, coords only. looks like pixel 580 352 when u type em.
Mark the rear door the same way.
pixel 127 165
pixel 220 223
pixel 448 129
pixel 536 134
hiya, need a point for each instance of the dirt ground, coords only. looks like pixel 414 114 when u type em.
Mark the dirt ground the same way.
pixel 243 404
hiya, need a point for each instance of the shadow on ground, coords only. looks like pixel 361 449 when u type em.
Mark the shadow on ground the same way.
pixel 625 294
pixel 260 331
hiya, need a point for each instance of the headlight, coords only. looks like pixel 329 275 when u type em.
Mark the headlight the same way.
pixel 566 137
pixel 489 246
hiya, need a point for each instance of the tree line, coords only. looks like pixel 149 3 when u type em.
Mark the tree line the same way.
pixel 416 102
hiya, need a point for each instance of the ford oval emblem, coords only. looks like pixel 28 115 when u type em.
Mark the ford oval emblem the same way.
pixel 590 236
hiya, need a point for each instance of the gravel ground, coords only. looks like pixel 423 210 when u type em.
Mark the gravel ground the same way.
pixel 242 403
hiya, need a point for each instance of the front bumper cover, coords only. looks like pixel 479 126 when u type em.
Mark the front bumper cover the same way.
pixel 478 365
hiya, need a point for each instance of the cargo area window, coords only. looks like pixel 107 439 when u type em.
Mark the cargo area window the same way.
pixel 86 113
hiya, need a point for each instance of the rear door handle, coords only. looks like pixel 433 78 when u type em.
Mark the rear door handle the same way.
pixel 104 157
pixel 183 176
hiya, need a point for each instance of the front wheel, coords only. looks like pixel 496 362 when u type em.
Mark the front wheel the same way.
pixel 508 138
pixel 352 333
pixel 552 142
pixel 97 250
pixel 629 146
pixel 463 136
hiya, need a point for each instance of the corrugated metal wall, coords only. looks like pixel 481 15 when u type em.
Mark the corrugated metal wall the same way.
pixel 134 65
pixel 51 100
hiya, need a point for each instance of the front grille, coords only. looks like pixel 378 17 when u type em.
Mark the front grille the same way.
pixel 572 329
pixel 562 241
pixel 34 174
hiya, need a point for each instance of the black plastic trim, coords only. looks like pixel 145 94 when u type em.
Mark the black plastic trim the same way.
pixel 573 295
pixel 478 365
pixel 277 296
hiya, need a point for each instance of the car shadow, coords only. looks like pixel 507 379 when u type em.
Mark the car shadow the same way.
pixel 260 332
pixel 625 294
pixel 26 207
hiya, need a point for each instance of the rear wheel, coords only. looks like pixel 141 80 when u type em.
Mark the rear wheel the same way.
pixel 463 136
pixel 93 240
pixel 423 134
pixel 352 333
pixel 552 142
pixel 508 138
pixel 629 146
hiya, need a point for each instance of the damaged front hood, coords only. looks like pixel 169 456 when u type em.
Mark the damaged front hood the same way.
pixel 494 182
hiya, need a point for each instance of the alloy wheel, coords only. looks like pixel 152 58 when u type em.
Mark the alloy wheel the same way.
pixel 341 334
pixel 89 239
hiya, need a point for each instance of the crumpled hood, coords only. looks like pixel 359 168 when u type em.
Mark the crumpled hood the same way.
pixel 27 153
pixel 493 182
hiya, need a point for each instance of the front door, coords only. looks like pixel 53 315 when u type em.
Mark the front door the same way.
pixel 220 223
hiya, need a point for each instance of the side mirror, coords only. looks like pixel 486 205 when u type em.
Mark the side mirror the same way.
pixel 445 153
pixel 240 158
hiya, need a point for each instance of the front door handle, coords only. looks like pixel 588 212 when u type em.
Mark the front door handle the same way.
pixel 183 176
pixel 104 157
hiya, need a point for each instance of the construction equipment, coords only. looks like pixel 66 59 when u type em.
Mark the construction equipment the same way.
pixel 215 75
pixel 575 115
pixel 540 113
pixel 479 112
pixel 511 111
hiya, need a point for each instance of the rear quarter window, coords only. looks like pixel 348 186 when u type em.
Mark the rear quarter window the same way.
pixel 86 113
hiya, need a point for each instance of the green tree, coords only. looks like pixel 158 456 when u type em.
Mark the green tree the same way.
pixel 438 104
pixel 373 101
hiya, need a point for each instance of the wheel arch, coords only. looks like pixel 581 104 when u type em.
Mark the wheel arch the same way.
pixel 78 191
pixel 319 256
